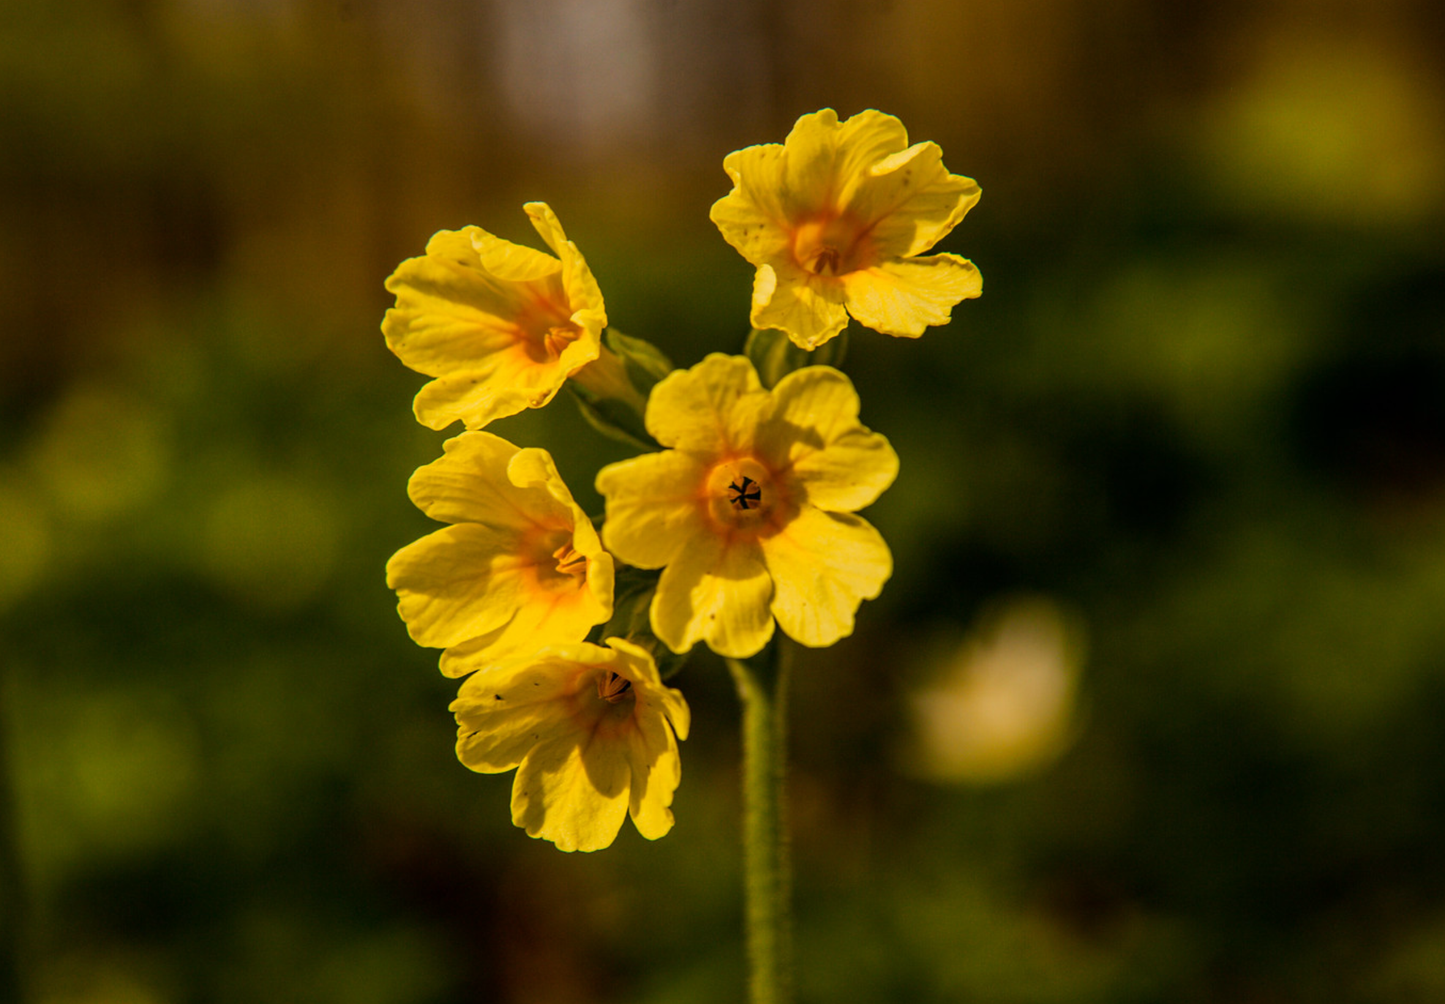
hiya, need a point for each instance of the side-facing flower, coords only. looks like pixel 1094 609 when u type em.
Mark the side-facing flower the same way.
pixel 593 732
pixel 835 218
pixel 750 511
pixel 520 567
pixel 500 326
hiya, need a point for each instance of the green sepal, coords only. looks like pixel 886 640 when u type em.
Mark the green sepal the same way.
pixel 614 405
pixel 632 617
pixel 614 419
pixel 646 363
pixel 774 355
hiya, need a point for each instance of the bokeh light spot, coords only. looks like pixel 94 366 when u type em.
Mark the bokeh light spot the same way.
pixel 271 541
pixel 27 540
pixel 1004 703
pixel 102 453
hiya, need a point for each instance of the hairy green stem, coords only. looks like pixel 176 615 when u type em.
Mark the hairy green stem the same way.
pixel 762 687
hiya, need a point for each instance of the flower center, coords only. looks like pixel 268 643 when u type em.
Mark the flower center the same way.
pixel 544 342
pixel 831 245
pixel 741 494
pixel 544 327
pixel 612 687
pixel 569 562
pixel 557 338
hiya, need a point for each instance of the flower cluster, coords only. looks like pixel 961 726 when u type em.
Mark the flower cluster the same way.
pixel 742 524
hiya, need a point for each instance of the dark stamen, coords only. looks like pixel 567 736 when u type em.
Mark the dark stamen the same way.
pixel 612 687
pixel 744 496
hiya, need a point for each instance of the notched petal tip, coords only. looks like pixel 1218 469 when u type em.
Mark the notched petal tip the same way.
pixel 811 312
pixel 906 296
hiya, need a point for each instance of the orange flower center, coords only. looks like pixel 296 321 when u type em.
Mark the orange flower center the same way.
pixel 544 327
pixel 742 494
pixel 569 562
pixel 558 337
pixel 612 687
pixel 832 245
pixel 550 562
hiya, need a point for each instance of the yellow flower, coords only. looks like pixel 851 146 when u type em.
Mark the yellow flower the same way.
pixel 520 567
pixel 749 512
pixel 594 732
pixel 499 325
pixel 835 218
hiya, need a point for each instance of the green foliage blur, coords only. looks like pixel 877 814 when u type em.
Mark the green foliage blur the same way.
pixel 1200 409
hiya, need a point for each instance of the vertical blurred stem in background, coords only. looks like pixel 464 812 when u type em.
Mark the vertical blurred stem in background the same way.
pixel 12 892
pixel 762 683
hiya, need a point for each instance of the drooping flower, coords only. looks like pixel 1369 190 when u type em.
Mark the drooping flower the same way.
pixel 593 732
pixel 750 511
pixel 500 326
pixel 835 218
pixel 520 567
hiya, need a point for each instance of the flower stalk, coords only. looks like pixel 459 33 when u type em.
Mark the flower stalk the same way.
pixel 762 684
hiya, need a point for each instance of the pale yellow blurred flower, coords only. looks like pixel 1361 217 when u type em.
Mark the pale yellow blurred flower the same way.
pixel 1005 701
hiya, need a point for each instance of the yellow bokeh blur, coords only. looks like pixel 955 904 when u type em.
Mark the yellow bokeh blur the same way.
pixel 1004 702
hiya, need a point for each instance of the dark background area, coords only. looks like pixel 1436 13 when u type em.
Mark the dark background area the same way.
pixel 1198 416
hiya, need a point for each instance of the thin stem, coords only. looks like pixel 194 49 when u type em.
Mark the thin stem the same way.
pixel 762 687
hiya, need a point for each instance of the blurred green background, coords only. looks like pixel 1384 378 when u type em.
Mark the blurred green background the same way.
pixel 1150 711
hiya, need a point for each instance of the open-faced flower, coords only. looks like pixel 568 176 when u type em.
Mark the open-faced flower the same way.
pixel 750 511
pixel 500 326
pixel 520 567
pixel 593 732
pixel 835 218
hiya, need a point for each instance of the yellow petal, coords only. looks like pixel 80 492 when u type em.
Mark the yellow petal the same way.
pixel 674 706
pixel 446 315
pixel 715 592
pixel 823 565
pixel 710 409
pixel 449 308
pixel 808 307
pixel 503 714
pixel 573 791
pixel 560 616
pixel 504 383
pixel 752 217
pixel 577 279
pixel 904 296
pixel 601 577
pixel 469 484
pixel 652 506
pixel 909 202
pixel 534 468
pixel 812 428
pixel 656 772
pixel 824 157
pixel 457 583
pixel 513 263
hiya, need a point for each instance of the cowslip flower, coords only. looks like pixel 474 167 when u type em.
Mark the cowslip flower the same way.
pixel 500 326
pixel 749 512
pixel 592 732
pixel 521 566
pixel 835 218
